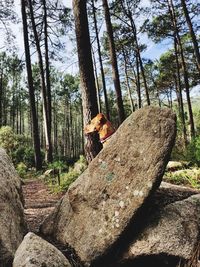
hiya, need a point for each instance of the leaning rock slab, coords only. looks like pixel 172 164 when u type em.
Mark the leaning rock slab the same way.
pixel 12 223
pixel 102 202
pixel 36 252
pixel 172 230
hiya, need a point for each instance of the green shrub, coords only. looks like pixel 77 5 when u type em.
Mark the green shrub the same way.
pixel 29 157
pixel 17 146
pixel 80 165
pixel 21 169
pixel 58 165
pixel 192 152
pixel 7 139
pixel 187 177
pixel 68 179
pixel 24 154
pixel 65 179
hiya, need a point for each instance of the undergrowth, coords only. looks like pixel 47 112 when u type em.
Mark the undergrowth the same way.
pixel 61 181
pixel 187 177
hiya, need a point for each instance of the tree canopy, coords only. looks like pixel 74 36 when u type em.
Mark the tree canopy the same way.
pixel 96 56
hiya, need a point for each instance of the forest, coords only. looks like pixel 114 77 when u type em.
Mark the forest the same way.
pixel 44 106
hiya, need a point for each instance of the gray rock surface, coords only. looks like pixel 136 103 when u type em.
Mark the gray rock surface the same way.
pixel 102 202
pixel 36 252
pixel 12 223
pixel 171 230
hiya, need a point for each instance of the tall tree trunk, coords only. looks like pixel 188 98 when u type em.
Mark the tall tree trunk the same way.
pixel 2 90
pixel 140 59
pixel 20 114
pixel 5 107
pixel 1 98
pixel 192 33
pixel 89 97
pixel 55 126
pixel 17 114
pixel 97 82
pixel 128 13
pixel 138 82
pixel 48 84
pixel 46 117
pixel 113 58
pixel 101 63
pixel 179 91
pixel 184 67
pixel 127 81
pixel 35 132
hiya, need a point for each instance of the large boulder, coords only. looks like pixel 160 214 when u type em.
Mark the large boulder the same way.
pixel 36 252
pixel 170 231
pixel 106 199
pixel 12 223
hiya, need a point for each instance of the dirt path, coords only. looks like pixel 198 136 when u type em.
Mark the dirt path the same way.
pixel 39 202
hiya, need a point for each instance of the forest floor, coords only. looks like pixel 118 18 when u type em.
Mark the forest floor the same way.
pixel 39 202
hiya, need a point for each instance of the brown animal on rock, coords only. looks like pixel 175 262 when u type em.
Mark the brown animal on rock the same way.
pixel 101 125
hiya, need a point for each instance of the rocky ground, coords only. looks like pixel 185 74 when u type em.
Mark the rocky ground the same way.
pixel 39 202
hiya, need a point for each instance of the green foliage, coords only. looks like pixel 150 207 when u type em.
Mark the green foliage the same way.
pixel 73 173
pixel 187 177
pixel 17 146
pixel 58 165
pixel 159 28
pixel 21 169
pixel 66 179
pixel 192 152
pixel 7 139
pixel 23 152
pixel 80 165
pixel 29 156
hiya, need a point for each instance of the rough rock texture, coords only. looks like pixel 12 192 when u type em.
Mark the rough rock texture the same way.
pixel 171 230
pixel 12 224
pixel 169 193
pixel 164 196
pixel 36 252
pixel 104 201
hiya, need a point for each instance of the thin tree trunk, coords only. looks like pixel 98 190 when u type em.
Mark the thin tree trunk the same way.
pixel 137 48
pixel 5 107
pixel 48 84
pixel 97 82
pixel 20 114
pixel 1 98
pixel 101 63
pixel 113 58
pixel 140 60
pixel 55 127
pixel 137 82
pixel 48 156
pixel 35 132
pixel 17 114
pixel 89 97
pixel 184 67
pixel 179 91
pixel 127 82
pixel 192 33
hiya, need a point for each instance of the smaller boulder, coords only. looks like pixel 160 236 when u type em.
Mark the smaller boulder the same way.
pixel 172 230
pixel 36 252
pixel 175 165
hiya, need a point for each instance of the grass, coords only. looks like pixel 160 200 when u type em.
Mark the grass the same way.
pixel 186 177
pixel 66 178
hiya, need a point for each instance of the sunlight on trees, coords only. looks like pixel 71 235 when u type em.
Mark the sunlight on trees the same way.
pixel 49 107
